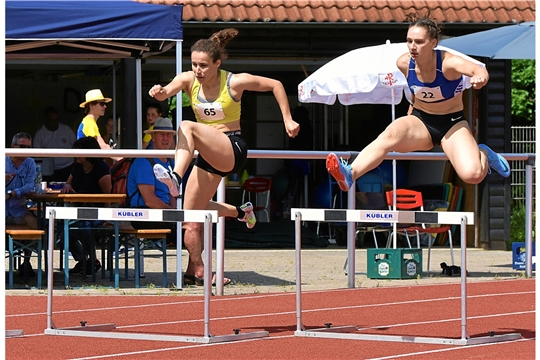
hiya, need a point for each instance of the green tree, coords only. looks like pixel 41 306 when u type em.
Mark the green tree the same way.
pixel 523 92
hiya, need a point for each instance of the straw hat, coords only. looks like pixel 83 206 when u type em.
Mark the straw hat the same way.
pixel 94 95
pixel 162 125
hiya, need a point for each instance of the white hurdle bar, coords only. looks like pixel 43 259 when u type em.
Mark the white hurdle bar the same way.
pixel 428 217
pixel 119 214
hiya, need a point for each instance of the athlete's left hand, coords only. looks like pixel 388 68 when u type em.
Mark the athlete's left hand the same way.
pixel 292 128
pixel 478 82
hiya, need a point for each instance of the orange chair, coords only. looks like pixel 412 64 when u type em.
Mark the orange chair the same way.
pixel 412 200
pixel 257 191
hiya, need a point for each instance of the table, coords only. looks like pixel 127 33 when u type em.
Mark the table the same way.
pixel 56 197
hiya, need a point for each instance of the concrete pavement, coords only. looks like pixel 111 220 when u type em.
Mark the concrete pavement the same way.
pixel 274 270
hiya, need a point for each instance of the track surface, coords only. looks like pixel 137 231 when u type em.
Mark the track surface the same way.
pixel 502 307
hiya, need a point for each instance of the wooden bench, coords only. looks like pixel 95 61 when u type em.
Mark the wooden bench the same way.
pixel 127 232
pixel 22 238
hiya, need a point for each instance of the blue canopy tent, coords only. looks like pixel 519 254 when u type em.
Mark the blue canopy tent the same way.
pixel 96 19
pixel 97 29
pixel 41 31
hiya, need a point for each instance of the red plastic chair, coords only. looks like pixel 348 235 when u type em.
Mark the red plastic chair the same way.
pixel 257 191
pixel 412 200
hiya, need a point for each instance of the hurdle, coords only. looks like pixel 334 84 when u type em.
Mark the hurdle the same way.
pixel 130 214
pixel 428 217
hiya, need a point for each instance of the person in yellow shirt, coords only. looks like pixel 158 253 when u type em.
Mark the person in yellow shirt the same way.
pixel 94 107
pixel 153 111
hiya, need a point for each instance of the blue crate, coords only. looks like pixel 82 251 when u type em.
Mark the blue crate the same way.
pixel 519 256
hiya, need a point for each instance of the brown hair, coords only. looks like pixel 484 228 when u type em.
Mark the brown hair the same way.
pixel 215 45
pixel 432 28
pixel 88 142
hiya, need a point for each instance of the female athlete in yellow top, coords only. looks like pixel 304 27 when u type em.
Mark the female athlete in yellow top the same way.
pixel 215 98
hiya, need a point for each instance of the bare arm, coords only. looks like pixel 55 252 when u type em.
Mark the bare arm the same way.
pixel 181 82
pixel 244 81
pixel 102 143
pixel 67 188
pixel 403 64
pixel 150 198
pixel 453 64
pixel 105 185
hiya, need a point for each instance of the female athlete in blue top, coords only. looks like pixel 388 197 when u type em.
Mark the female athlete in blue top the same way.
pixel 435 117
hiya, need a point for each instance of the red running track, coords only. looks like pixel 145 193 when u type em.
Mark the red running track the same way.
pixel 504 306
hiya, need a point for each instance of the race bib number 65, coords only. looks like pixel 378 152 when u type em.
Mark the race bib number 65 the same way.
pixel 210 111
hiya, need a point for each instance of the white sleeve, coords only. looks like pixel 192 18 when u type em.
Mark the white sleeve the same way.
pixel 37 141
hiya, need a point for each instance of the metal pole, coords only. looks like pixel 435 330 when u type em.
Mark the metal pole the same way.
pixel 394 177
pixel 138 91
pixel 179 278
pixel 50 269
pixel 351 246
pixel 298 248
pixel 464 334
pixel 220 242
pixel 346 125
pixel 114 101
pixel 207 272
pixel 325 126
pixel 528 217
pixel 252 154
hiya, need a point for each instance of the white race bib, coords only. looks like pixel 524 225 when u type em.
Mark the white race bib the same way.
pixel 428 94
pixel 210 111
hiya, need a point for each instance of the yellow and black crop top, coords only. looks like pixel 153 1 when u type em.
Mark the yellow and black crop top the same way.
pixel 223 110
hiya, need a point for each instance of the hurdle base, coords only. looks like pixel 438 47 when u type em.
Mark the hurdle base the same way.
pixel 156 337
pixel 89 327
pixel 327 333
pixel 13 333
pixel 337 329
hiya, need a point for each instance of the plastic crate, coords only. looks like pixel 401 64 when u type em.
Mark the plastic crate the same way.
pixel 519 255
pixel 394 263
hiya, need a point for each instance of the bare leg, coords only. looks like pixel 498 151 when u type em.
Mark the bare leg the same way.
pixel 405 134
pixel 212 144
pixel 216 149
pixel 200 188
pixel 223 209
pixel 194 246
pixel 462 150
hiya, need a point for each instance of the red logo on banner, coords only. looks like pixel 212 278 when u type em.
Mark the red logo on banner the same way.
pixel 388 80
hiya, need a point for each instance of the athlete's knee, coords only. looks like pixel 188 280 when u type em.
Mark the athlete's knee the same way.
pixel 186 126
pixel 193 228
pixel 471 174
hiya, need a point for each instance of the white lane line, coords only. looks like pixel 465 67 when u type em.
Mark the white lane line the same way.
pixel 288 336
pixel 178 348
pixel 453 348
pixel 259 297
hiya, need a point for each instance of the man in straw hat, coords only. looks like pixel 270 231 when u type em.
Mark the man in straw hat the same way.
pixel 94 107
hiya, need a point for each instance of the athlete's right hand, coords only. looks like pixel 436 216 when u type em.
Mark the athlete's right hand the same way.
pixel 155 90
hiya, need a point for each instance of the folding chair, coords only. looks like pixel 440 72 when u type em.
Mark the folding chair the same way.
pixel 412 200
pixel 257 191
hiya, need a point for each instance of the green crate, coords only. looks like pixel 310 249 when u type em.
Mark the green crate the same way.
pixel 394 263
